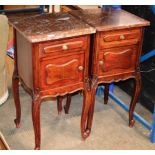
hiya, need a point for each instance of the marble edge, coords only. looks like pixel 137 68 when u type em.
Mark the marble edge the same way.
pixel 57 35
pixel 99 28
pixel 61 35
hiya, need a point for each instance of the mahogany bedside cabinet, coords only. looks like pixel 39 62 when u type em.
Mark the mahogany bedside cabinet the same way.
pixel 51 60
pixel 115 52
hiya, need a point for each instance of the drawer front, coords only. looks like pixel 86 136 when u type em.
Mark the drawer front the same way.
pixel 63 46
pixel 117 61
pixel 64 71
pixel 119 38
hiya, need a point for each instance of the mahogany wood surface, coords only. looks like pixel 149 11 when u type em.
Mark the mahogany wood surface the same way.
pixel 68 102
pixel 116 49
pixel 51 68
pixel 15 85
pixel 69 57
pixel 59 104
pixel 106 93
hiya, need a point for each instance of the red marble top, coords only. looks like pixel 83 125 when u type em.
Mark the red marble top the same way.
pixel 44 27
pixel 109 19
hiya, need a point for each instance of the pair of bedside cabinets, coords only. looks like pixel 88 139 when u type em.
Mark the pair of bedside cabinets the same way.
pixel 58 54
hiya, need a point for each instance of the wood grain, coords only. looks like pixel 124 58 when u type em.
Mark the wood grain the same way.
pixel 74 60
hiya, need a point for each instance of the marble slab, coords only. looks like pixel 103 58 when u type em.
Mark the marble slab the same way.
pixel 45 27
pixel 109 19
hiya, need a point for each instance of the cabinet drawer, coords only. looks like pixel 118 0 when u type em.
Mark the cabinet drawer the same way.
pixel 119 38
pixel 64 71
pixel 63 46
pixel 117 61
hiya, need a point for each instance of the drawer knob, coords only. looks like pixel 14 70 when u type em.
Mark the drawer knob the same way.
pixel 80 68
pixel 122 37
pixel 65 47
pixel 101 62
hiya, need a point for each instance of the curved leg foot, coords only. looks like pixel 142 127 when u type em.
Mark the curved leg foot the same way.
pixel 36 120
pixel 106 93
pixel 131 123
pixel 59 104
pixel 91 110
pixel 137 89
pixel 85 134
pixel 85 110
pixel 37 148
pixel 88 109
pixel 68 102
pixel 17 123
pixel 15 87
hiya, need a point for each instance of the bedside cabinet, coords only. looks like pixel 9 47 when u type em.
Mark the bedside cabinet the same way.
pixel 51 60
pixel 115 51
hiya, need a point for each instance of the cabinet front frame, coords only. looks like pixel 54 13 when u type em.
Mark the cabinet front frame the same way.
pixel 49 91
pixel 95 59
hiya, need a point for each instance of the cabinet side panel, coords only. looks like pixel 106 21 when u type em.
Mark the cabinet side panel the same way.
pixel 24 58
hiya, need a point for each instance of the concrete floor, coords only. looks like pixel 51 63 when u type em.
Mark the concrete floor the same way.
pixel 110 126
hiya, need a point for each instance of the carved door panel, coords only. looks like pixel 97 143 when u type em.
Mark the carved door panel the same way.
pixel 62 71
pixel 117 61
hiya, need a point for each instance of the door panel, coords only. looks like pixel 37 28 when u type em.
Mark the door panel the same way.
pixel 117 60
pixel 62 71
pixel 53 71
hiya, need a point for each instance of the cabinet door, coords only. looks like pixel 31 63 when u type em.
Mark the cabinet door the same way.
pixel 62 71
pixel 117 61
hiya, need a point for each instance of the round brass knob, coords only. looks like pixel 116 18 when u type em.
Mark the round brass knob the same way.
pixel 80 68
pixel 65 47
pixel 122 37
pixel 101 62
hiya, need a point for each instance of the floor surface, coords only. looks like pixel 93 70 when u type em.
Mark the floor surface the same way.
pixel 110 126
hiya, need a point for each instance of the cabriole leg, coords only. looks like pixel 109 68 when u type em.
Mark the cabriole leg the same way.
pixel 36 102
pixel 88 108
pixel 137 88
pixel 59 104
pixel 91 110
pixel 15 88
pixel 68 102
pixel 15 85
pixel 106 93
